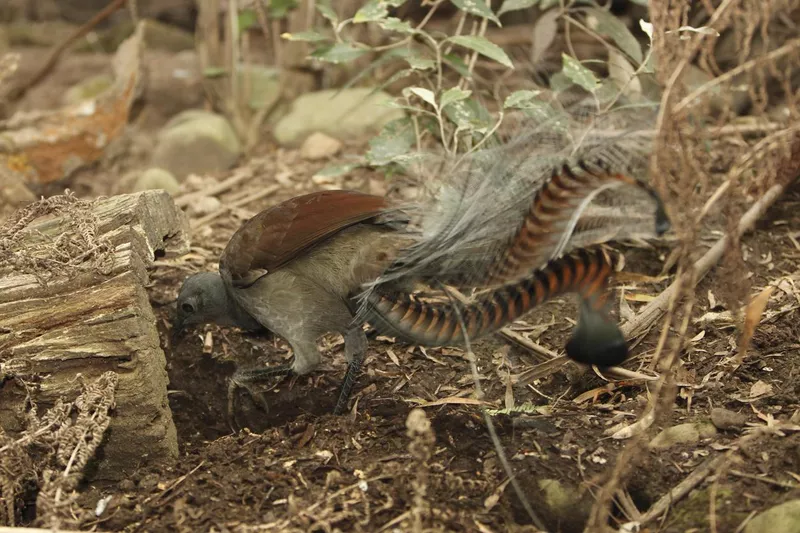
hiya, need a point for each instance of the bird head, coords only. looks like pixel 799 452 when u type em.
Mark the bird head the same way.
pixel 201 300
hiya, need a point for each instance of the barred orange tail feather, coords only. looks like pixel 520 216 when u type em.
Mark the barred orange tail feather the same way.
pixel 585 272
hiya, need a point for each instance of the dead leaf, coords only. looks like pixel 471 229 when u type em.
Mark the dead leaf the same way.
pixel 635 277
pixel 760 388
pixel 544 33
pixel 393 357
pixel 451 400
pixel 306 436
pixel 634 297
pixel 509 399
pixel 698 337
pixel 752 316
pixel 625 311
pixel 712 300
pixel 494 497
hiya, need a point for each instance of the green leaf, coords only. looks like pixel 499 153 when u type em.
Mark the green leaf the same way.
pixel 521 99
pixel 557 119
pixel 515 5
pixel 484 47
pixel 395 24
pixel 246 19
pixel 308 36
pixel 375 10
pixel 278 9
pixel 425 94
pixel 453 95
pixel 469 115
pixel 338 53
pixel 608 24
pixel 325 9
pixel 215 72
pixel 606 92
pixel 420 63
pixel 371 11
pixel 579 74
pixel 547 4
pixel 477 8
pixel 559 82
pixel 393 142
pixel 457 64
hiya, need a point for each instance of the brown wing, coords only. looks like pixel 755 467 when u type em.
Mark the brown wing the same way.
pixel 280 233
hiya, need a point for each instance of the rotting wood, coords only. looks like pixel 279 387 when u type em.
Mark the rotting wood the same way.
pixel 88 322
pixel 47 146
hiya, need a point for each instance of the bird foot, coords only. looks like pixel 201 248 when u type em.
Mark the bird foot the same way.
pixel 248 380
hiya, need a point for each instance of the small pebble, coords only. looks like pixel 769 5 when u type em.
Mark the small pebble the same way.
pixel 319 146
pixel 149 482
pixel 727 419
pixel 204 205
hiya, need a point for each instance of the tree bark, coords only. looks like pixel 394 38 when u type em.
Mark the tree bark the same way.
pixel 90 322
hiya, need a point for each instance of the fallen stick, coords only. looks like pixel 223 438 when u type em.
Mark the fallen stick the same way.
pixel 214 190
pixel 19 91
pixel 651 312
pixel 683 488
pixel 244 201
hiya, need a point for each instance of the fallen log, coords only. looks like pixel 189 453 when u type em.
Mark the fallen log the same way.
pixel 73 303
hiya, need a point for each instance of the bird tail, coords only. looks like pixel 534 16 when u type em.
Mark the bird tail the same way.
pixel 509 216
pixel 596 340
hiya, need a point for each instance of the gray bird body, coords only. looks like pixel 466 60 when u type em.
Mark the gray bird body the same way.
pixel 310 296
pixel 301 301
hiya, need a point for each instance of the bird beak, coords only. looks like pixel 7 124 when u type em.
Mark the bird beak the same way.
pixel 178 329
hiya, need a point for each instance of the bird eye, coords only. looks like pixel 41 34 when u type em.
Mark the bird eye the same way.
pixel 187 308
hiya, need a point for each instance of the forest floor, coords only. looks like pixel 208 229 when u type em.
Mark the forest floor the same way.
pixel 298 467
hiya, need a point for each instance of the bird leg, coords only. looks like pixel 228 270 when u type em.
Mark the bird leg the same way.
pixel 247 379
pixel 355 346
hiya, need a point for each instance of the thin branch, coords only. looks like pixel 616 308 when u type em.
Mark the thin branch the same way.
pixel 20 90
pixel 786 49
pixel 654 309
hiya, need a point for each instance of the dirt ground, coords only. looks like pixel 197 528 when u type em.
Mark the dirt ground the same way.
pixel 298 467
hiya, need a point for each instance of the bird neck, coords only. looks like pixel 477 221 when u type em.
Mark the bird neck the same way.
pixel 238 316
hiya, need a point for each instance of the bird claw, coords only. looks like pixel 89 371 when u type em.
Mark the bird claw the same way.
pixel 246 379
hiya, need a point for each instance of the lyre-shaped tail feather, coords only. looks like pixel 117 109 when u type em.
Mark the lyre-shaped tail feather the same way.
pixel 554 214
pixel 490 218
pixel 437 324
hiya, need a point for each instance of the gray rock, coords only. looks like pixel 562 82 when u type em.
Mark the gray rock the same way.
pixel 727 419
pixel 157 178
pixel 196 142
pixel 261 85
pixel 204 205
pixel 13 192
pixel 688 433
pixel 343 114
pixel 783 518
pixel 319 146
